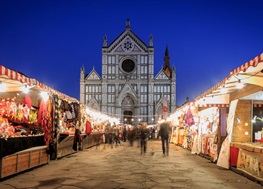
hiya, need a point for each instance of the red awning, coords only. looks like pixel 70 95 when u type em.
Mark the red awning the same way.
pixel 245 73
pixel 213 105
pixel 11 74
pixel 254 62
pixel 8 74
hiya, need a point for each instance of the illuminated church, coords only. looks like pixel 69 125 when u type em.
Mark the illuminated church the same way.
pixel 128 88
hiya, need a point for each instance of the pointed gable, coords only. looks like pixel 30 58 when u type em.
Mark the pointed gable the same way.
pixel 127 41
pixel 127 89
pixel 161 75
pixel 93 75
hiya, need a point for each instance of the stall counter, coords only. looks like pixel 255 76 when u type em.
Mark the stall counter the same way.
pixel 250 158
pixel 65 142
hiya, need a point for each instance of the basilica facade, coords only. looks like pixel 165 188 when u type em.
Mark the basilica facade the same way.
pixel 128 88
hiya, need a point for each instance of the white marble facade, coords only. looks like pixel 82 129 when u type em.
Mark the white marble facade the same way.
pixel 127 88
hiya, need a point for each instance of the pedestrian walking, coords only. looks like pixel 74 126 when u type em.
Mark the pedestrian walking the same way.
pixel 124 133
pixel 77 142
pixel 111 136
pixel 153 133
pixel 117 135
pixel 164 132
pixel 131 135
pixel 106 133
pixel 145 133
pixel 137 130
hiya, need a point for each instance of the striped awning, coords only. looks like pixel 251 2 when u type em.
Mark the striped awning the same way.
pixel 248 73
pixel 11 74
pixel 254 62
pixel 6 73
pixel 213 105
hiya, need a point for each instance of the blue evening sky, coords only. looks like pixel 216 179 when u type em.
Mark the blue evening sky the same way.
pixel 50 40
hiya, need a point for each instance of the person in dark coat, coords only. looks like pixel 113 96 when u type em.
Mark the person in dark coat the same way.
pixel 145 133
pixel 164 132
pixel 124 133
pixel 77 142
pixel 131 135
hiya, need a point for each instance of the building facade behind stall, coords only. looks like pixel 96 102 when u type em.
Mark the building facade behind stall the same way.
pixel 128 88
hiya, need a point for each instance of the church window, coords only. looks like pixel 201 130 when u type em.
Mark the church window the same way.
pixel 111 93
pixel 111 69
pixel 143 89
pixel 128 65
pixel 110 110
pixel 111 88
pixel 143 113
pixel 144 69
pixel 143 98
pixel 111 59
pixel 111 98
pixel 144 59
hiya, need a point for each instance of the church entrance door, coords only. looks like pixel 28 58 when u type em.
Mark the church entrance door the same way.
pixel 127 117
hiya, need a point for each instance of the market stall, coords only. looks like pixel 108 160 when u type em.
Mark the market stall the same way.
pixel 29 120
pixel 98 121
pixel 242 89
pixel 24 138
pixel 199 128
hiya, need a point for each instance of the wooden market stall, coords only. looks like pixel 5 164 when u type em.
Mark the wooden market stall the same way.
pixel 29 118
pixel 242 89
pixel 91 126
pixel 239 102
pixel 23 140
pixel 200 128
pixel 39 124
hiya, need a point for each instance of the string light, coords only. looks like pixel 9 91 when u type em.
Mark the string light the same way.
pixel 239 84
pixel 25 89
pixel 44 95
pixel 223 90
pixel 2 87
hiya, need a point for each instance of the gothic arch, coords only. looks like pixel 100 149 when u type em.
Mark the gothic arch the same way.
pixel 127 102
pixel 120 98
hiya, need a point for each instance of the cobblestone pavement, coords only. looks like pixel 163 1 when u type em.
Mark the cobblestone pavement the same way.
pixel 124 167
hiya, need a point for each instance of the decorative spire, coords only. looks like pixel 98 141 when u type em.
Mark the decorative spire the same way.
pixel 151 41
pixel 82 68
pixel 105 41
pixel 166 51
pixel 82 72
pixel 166 66
pixel 128 25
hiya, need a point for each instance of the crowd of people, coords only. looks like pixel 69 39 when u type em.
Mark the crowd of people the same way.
pixel 138 134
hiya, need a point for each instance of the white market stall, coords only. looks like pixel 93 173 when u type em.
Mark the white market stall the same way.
pixel 242 91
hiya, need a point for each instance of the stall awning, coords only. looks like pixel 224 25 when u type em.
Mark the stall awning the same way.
pixel 15 80
pixel 213 105
pixel 254 62
pixel 249 74
pixel 11 74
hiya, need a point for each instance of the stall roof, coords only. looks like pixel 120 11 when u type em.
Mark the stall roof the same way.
pixel 249 74
pixel 15 80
